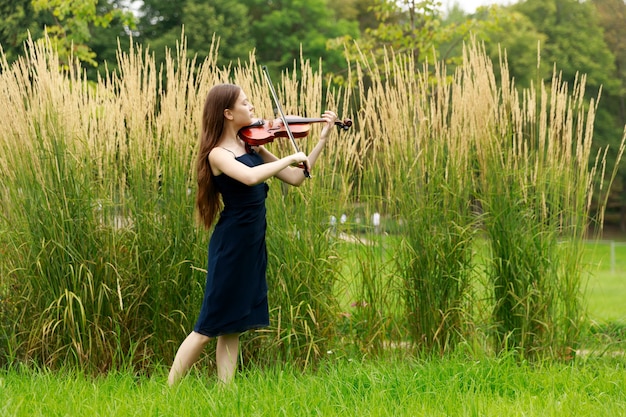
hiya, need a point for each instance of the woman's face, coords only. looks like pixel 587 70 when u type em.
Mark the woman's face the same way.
pixel 242 111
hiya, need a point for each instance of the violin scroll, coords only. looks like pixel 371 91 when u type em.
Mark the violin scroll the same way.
pixel 345 124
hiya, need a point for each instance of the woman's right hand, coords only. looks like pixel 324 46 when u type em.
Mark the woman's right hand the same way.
pixel 299 157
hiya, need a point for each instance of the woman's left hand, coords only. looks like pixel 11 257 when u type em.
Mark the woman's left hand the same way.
pixel 330 118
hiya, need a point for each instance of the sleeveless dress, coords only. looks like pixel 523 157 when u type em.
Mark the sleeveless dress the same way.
pixel 235 296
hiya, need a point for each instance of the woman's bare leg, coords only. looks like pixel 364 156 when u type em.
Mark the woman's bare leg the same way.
pixel 188 353
pixel 227 355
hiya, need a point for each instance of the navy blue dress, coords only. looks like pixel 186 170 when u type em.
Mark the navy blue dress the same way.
pixel 235 297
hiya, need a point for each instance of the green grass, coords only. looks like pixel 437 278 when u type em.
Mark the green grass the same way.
pixel 606 289
pixel 455 386
pixel 606 293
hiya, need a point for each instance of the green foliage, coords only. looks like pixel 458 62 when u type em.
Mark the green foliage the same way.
pixel 18 20
pixel 227 21
pixel 159 17
pixel 301 276
pixel 416 32
pixel 273 30
pixel 515 36
pixel 611 15
pixel 70 34
pixel 106 41
pixel 574 40
pixel 410 32
pixel 612 111
pixel 287 29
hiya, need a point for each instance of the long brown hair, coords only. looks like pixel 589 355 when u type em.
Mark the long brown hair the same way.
pixel 219 98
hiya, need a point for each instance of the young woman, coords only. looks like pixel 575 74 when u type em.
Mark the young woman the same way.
pixel 235 297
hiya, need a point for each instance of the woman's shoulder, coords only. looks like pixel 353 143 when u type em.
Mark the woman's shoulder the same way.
pixel 217 157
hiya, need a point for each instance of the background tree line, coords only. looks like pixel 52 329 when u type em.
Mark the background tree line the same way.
pixel 577 37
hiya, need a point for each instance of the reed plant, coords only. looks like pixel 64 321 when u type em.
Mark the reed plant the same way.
pixel 416 175
pixel 97 182
pixel 302 271
pixel 451 157
pixel 535 181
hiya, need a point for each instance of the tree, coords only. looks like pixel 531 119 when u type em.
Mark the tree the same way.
pixel 611 15
pixel 416 28
pixel 276 30
pixel 18 20
pixel 361 11
pixel 516 36
pixel 104 41
pixel 226 20
pixel 162 23
pixel 74 27
pixel 158 17
pixel 70 33
pixel 574 40
pixel 411 26
pixel 283 28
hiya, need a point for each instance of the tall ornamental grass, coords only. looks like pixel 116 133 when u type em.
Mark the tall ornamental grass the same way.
pixel 454 161
pixel 416 173
pixel 103 265
pixel 536 175
pixel 103 257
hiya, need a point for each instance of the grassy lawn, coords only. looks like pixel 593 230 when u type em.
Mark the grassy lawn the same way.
pixel 388 387
pixel 606 289
pixel 606 295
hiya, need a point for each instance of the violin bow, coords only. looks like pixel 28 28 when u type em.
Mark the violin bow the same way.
pixel 283 118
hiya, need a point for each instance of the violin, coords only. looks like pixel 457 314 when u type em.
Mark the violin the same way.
pixel 265 131
pixel 285 123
